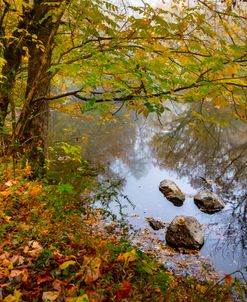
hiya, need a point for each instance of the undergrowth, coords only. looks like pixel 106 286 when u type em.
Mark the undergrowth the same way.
pixel 55 247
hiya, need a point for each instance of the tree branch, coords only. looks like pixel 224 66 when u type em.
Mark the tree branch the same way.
pixel 221 13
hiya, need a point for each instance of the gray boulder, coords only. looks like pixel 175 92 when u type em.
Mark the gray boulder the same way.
pixel 208 202
pixel 185 231
pixel 155 223
pixel 172 192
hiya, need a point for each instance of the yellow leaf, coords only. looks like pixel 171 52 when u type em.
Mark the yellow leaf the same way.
pixel 92 272
pixel 67 264
pixel 201 288
pixel 17 294
pixel 9 298
pixel 13 298
pixel 128 256
pixel 7 263
pixel 63 87
pixel 83 298
pixel 51 296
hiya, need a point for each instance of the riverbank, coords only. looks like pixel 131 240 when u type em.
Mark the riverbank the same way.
pixel 55 247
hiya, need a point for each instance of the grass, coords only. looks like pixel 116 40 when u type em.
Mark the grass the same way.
pixel 55 247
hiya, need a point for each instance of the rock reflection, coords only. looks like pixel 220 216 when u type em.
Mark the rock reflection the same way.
pixel 206 151
pixel 209 151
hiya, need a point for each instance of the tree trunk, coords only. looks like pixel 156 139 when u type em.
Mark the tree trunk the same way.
pixel 40 24
pixel 12 54
pixel 32 125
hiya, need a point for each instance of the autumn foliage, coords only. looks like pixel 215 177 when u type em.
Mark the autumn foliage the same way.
pixel 53 248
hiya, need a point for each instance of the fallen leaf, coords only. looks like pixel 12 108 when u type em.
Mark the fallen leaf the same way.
pixel 51 296
pixel 34 244
pixel 128 256
pixel 5 194
pixel 92 272
pixel 13 298
pixel 33 249
pixel 4 272
pixel 83 298
pixel 71 291
pixel 44 279
pixel 124 290
pixel 7 263
pixel 66 264
pixel 35 191
pixel 10 183
pixel 14 259
pixel 58 285
pixel 19 275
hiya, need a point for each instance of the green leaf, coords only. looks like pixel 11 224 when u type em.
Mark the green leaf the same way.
pixel 66 264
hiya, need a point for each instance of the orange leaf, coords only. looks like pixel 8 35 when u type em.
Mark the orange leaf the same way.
pixel 44 279
pixel 124 290
pixel 20 275
pixel 5 193
pixel 35 191
pixel 71 290
pixel 228 280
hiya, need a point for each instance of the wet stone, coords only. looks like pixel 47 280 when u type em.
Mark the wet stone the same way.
pixel 208 202
pixel 155 223
pixel 185 231
pixel 172 192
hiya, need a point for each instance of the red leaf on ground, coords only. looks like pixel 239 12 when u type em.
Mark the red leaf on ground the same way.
pixel 124 290
pixel 44 279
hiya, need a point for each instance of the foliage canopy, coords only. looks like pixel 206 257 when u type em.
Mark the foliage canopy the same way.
pixel 112 55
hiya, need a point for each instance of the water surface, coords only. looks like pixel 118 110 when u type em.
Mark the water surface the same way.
pixel 181 148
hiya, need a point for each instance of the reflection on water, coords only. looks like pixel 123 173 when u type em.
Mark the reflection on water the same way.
pixel 192 152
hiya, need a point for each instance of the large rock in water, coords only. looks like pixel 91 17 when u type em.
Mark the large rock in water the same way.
pixel 185 231
pixel 208 202
pixel 172 192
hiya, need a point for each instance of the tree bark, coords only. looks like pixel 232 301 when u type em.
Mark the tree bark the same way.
pixel 12 54
pixel 32 126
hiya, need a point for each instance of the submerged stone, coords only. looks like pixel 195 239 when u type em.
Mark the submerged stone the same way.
pixel 172 192
pixel 155 223
pixel 185 231
pixel 208 202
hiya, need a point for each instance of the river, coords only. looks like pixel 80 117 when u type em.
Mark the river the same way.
pixel 180 147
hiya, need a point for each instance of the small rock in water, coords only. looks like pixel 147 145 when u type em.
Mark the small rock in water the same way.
pixel 208 202
pixel 155 223
pixel 185 231
pixel 172 192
